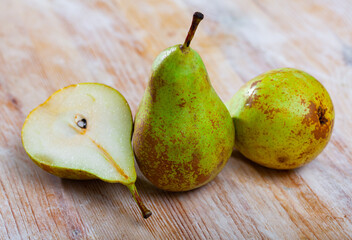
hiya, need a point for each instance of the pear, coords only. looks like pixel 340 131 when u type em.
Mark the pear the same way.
pixel 283 118
pixel 183 132
pixel 84 131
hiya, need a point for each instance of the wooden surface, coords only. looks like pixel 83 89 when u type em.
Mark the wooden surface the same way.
pixel 46 45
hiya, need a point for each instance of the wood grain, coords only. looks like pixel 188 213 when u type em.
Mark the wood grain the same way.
pixel 46 45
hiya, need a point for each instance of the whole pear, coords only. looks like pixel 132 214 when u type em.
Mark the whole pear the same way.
pixel 183 133
pixel 283 118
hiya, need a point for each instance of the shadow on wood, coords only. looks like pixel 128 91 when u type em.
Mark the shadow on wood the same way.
pixel 261 170
pixel 151 189
pixel 107 200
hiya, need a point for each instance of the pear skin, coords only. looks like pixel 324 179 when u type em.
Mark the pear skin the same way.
pixel 283 118
pixel 183 133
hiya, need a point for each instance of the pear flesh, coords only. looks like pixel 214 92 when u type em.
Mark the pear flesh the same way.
pixel 183 132
pixel 283 118
pixel 83 131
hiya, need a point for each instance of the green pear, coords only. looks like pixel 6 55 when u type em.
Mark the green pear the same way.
pixel 84 131
pixel 283 118
pixel 183 132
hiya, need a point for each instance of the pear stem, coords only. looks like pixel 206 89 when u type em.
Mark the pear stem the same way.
pixel 145 211
pixel 197 17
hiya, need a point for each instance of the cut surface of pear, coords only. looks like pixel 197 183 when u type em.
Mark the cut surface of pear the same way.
pixel 83 131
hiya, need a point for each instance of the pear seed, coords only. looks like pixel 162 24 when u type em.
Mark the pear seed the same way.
pixel 82 123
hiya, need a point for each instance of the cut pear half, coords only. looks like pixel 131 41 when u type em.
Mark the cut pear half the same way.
pixel 83 131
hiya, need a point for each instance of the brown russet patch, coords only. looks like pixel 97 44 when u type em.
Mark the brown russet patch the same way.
pixel 202 178
pixel 183 103
pixel 156 164
pixel 307 152
pixel 270 113
pixel 150 162
pixel 321 114
pixel 282 159
pixel 225 153
pixel 292 165
pixel 311 116
pixel 165 172
pixel 251 100
pixel 255 83
pixel 196 157
pixel 66 172
pixel 152 91
pixel 155 84
pixel 177 161
pixel 214 123
pixel 322 131
pixel 316 116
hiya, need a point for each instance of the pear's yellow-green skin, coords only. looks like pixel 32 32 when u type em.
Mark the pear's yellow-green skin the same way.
pixel 183 133
pixel 72 172
pixel 283 118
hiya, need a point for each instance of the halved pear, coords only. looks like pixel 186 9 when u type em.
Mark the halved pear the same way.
pixel 84 131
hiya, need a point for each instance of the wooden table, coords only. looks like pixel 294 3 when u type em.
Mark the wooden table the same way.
pixel 46 45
